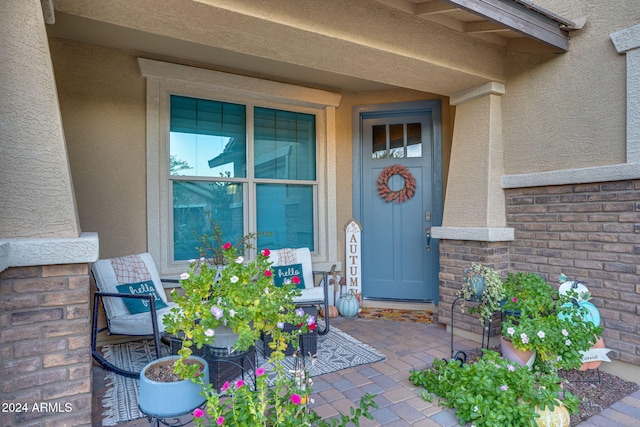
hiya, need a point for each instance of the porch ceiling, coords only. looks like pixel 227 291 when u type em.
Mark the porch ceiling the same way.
pixel 510 23
pixel 355 45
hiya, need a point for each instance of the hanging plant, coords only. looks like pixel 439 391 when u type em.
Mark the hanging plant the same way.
pixel 402 195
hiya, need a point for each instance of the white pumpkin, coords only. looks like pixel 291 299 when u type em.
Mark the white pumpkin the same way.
pixel 558 417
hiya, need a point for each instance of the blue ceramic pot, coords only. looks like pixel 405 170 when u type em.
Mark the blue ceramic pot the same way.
pixel 170 399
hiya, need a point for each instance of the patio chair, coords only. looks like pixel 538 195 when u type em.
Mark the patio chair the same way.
pixel 285 261
pixel 133 299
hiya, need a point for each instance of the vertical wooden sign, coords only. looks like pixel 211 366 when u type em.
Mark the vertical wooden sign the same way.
pixel 353 232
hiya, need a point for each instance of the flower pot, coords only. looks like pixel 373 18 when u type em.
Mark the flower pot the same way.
pixel 476 287
pixel 170 399
pixel 522 358
pixel 595 364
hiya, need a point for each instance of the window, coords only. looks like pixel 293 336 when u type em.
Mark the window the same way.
pixel 258 155
pixel 209 176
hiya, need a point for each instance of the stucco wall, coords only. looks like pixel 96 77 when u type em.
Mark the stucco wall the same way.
pixel 102 99
pixel 568 111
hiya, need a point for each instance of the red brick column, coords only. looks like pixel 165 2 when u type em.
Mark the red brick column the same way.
pixel 455 257
pixel 44 346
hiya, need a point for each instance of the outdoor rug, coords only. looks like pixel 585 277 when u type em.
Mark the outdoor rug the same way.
pixel 336 351
pixel 399 315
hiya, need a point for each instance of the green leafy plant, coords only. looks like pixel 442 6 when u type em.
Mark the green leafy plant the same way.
pixel 492 290
pixel 286 403
pixel 538 318
pixel 492 391
pixel 245 299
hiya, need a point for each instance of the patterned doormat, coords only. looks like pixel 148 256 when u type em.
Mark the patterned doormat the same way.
pixel 397 314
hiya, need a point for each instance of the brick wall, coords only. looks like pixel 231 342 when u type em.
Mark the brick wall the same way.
pixel 455 257
pixel 44 346
pixel 590 232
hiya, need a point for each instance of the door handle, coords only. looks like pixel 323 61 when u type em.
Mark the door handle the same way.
pixel 428 231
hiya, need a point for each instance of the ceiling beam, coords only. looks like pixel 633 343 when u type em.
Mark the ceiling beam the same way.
pixel 484 27
pixel 426 9
pixel 518 18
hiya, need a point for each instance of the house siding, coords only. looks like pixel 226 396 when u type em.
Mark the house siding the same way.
pixel 591 233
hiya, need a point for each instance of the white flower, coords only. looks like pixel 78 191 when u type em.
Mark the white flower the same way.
pixel 541 334
pixel 475 408
pixel 232 312
pixel 209 332
pixel 234 279
pixel 565 333
pixel 239 260
pixel 524 338
pixel 511 331
pixel 184 276
pixel 568 342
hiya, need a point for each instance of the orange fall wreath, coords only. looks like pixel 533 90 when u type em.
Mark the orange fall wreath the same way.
pixel 402 195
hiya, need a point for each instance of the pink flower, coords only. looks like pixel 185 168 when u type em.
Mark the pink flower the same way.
pixel 260 372
pixel 295 280
pixel 296 399
pixel 220 421
pixel 226 246
pixel 266 252
pixel 268 273
pixel 225 386
pixel 198 413
pixel 239 383
pixel 514 299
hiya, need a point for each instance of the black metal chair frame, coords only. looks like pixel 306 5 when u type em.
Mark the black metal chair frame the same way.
pixel 325 301
pixel 97 302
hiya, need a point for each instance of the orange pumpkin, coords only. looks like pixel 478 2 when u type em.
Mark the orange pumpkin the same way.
pixel 333 312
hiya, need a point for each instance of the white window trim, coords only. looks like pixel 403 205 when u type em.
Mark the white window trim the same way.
pixel 164 79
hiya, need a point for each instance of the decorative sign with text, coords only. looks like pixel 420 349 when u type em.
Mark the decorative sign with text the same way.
pixel 353 231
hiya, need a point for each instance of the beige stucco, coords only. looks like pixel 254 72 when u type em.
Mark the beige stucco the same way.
pixel 568 111
pixel 36 195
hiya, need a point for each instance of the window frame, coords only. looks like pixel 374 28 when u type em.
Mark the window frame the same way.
pixel 166 79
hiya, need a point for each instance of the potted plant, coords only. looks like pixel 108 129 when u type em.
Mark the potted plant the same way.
pixel 492 391
pixel 246 300
pixel 538 318
pixel 483 285
pixel 164 394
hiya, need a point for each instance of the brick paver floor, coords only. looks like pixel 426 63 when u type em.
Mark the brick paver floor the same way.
pixel 407 346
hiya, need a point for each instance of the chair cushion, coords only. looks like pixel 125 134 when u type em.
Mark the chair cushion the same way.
pixel 138 324
pixel 288 257
pixel 109 273
pixel 135 305
pixel 315 294
pixel 284 272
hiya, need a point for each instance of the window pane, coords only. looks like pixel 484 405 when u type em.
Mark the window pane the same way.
pixel 192 201
pixel 285 145
pixel 414 140
pixel 379 141
pixel 207 138
pixel 285 211
pixel 396 141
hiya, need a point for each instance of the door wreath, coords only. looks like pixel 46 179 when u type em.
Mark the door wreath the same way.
pixel 402 195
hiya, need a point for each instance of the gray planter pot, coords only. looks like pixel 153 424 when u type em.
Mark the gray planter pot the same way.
pixel 170 399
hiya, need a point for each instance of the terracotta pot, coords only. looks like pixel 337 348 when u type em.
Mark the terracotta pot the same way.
pixel 595 364
pixel 522 358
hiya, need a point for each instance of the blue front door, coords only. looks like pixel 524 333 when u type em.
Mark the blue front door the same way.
pixel 399 258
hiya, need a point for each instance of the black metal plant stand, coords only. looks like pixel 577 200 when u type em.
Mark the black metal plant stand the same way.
pixel 461 355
